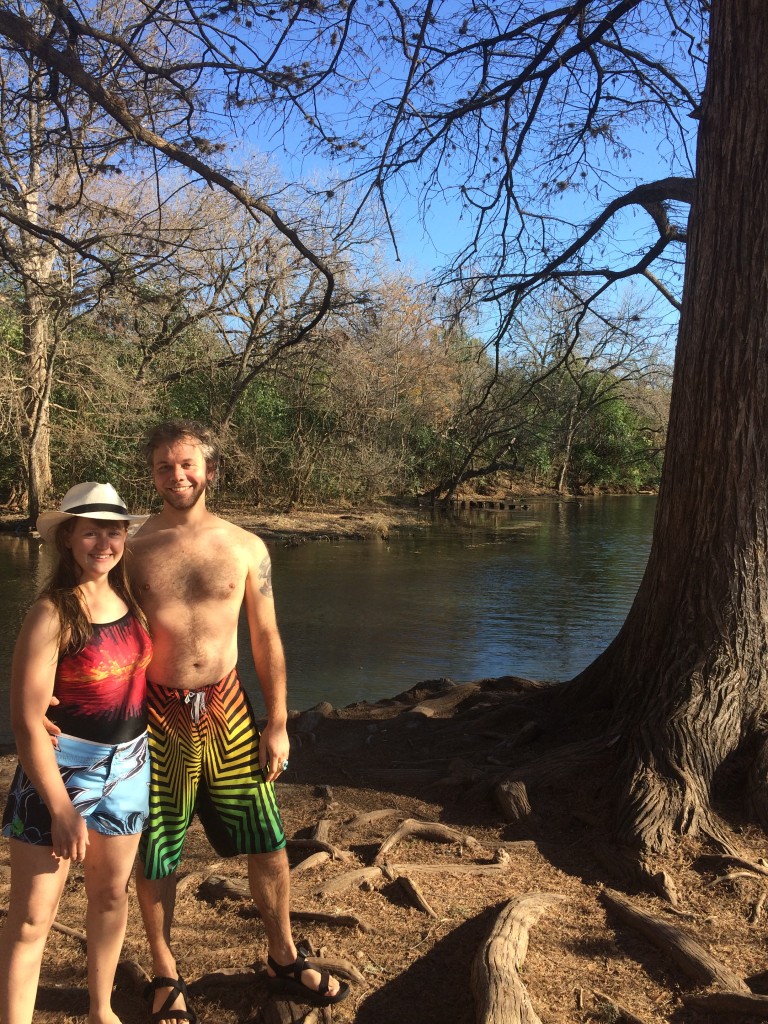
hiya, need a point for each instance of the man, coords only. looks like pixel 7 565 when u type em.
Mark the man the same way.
pixel 191 572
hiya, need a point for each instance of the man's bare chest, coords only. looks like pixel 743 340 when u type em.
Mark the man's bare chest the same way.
pixel 190 576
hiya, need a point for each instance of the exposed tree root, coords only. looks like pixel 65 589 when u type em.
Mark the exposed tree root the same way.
pixel 322 831
pixel 619 1013
pixel 757 910
pixel 348 880
pixel 451 869
pixel 278 1011
pixel 318 844
pixel 558 766
pixel 373 874
pixel 747 1005
pixel 216 888
pixel 369 817
pixel 635 871
pixel 715 861
pixel 229 976
pixel 314 860
pixel 423 830
pixel 697 962
pixel 500 995
pixel 512 798
pixel 414 895
pixel 129 974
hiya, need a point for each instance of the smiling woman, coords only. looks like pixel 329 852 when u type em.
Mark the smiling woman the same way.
pixel 96 545
pixel 83 642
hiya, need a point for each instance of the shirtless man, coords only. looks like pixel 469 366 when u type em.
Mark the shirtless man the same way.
pixel 191 572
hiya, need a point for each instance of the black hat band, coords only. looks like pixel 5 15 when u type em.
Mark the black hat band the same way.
pixel 96 506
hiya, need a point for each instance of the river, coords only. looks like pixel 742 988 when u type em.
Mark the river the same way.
pixel 536 592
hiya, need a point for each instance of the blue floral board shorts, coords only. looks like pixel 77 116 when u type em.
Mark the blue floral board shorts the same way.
pixel 108 784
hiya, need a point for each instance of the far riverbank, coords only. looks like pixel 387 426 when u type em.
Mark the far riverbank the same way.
pixel 370 521
pixel 377 521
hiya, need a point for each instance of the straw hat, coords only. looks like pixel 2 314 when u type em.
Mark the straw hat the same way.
pixel 89 501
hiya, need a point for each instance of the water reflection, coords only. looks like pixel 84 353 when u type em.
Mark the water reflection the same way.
pixel 23 567
pixel 537 593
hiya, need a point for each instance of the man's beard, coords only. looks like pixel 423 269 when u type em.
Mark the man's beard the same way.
pixel 187 498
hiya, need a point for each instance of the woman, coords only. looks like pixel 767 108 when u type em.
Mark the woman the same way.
pixel 84 797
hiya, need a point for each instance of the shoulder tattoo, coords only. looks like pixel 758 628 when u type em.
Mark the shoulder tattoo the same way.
pixel 265 576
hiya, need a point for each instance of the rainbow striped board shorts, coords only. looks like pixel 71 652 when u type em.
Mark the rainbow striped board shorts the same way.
pixel 204 758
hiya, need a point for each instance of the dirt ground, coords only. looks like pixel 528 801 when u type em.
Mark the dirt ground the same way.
pixel 411 966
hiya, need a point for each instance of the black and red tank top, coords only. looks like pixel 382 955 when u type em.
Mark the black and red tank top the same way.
pixel 102 689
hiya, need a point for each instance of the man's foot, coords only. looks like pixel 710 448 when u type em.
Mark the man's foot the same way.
pixel 303 983
pixel 168 1001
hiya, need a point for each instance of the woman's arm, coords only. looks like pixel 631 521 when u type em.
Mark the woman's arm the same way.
pixel 33 673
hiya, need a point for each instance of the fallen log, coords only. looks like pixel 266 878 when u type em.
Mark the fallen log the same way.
pixel 697 962
pixel 516 845
pixel 500 996
pixel 423 830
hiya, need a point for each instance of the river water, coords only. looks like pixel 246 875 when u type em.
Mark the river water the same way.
pixel 536 593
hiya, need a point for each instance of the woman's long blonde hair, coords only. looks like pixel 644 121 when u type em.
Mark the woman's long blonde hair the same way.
pixel 61 588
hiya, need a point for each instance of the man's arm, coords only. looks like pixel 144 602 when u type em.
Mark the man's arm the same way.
pixel 268 657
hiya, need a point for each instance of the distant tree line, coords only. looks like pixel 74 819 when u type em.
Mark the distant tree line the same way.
pixel 391 395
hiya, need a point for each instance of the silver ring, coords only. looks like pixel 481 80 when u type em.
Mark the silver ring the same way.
pixel 283 766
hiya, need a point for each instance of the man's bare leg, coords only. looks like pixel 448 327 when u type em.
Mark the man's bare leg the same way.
pixel 157 901
pixel 269 881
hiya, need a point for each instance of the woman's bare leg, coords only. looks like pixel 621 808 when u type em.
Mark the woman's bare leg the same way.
pixel 108 867
pixel 37 881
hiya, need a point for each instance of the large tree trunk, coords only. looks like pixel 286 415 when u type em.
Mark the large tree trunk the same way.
pixel 685 680
pixel 39 351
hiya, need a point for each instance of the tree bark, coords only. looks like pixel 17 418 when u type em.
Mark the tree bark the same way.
pixel 39 351
pixel 500 996
pixel 685 679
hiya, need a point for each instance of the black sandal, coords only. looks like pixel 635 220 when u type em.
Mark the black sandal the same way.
pixel 178 988
pixel 288 982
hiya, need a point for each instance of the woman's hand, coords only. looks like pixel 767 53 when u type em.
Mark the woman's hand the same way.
pixel 70 835
pixel 50 727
